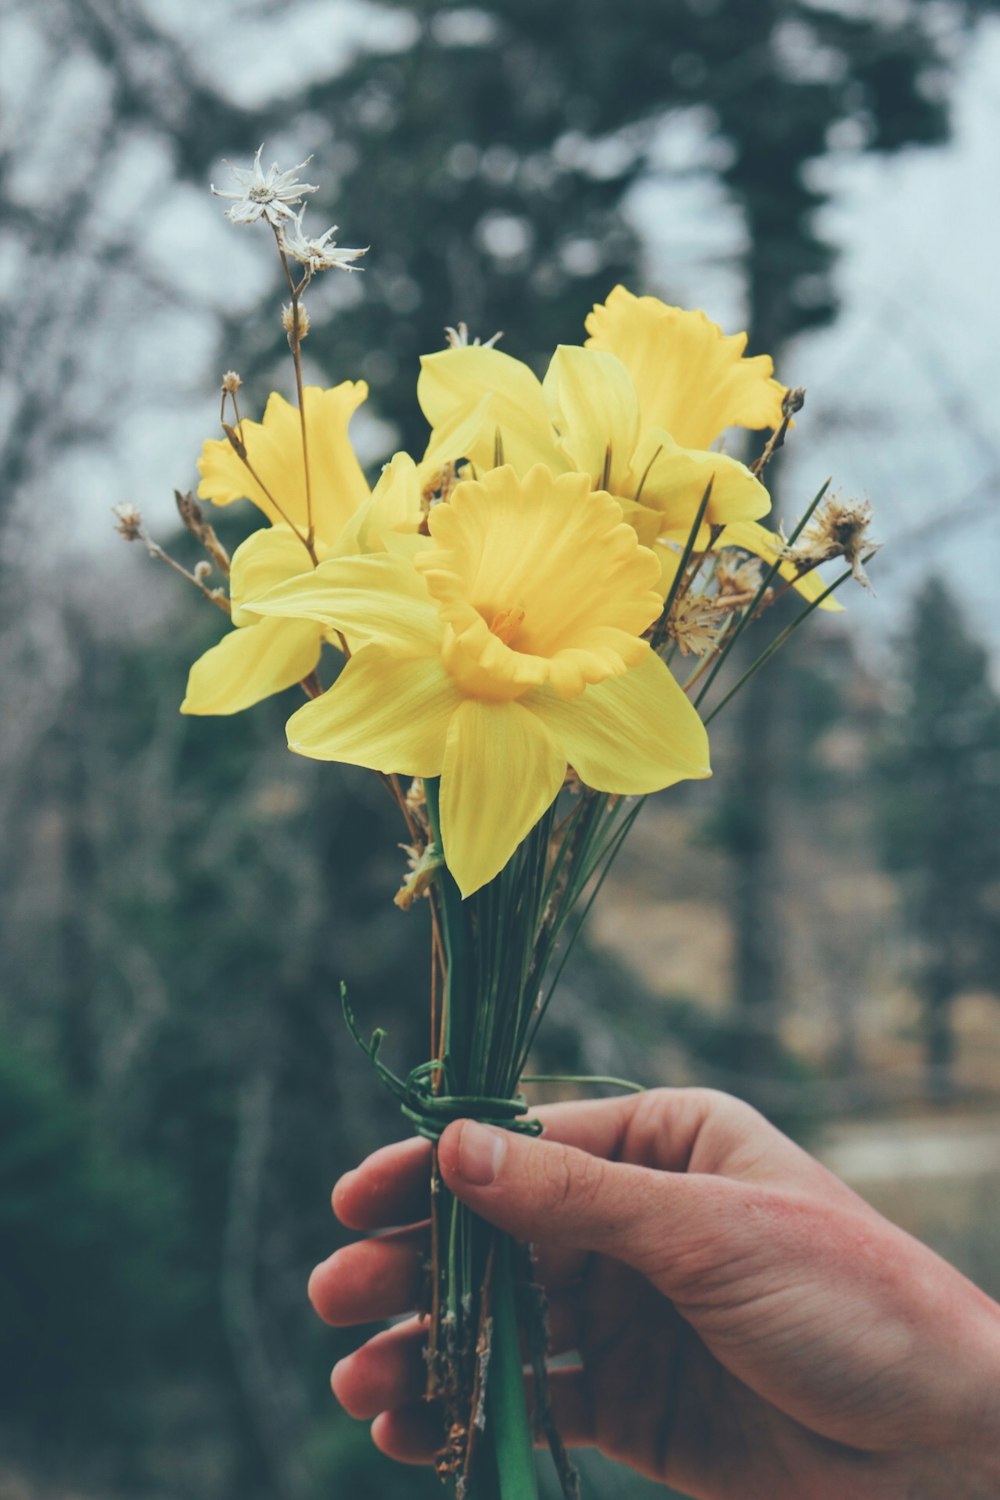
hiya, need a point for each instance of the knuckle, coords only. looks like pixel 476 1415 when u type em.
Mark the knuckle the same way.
pixel 570 1180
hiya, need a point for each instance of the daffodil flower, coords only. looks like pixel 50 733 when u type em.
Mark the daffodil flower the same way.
pixel 507 648
pixel 264 656
pixel 636 410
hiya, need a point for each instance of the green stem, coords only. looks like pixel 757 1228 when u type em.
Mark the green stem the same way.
pixel 506 1408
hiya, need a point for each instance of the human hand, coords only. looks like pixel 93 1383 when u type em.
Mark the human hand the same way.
pixel 746 1326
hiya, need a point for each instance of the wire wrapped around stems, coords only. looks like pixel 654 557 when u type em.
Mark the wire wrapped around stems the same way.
pixel 431 1112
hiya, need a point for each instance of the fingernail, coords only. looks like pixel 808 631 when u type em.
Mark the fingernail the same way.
pixel 481 1151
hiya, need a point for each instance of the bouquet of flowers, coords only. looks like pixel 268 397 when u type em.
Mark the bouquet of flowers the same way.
pixel 519 629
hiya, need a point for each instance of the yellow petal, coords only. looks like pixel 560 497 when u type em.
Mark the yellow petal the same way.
pixel 267 557
pixel 501 771
pixel 595 411
pixel 382 712
pixel 376 599
pixel 273 476
pixel 691 378
pixel 461 431
pixel 631 734
pixel 250 664
pixel 672 480
pixel 765 544
pixel 541 579
pixel 393 507
pixel 453 385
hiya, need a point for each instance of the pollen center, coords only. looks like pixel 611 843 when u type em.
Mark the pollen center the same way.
pixel 505 625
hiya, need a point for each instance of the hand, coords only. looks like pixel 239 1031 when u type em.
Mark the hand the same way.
pixel 746 1326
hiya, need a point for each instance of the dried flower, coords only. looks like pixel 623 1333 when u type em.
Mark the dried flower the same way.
pixel 694 625
pixel 129 522
pixel 296 322
pixel 316 254
pixel 263 194
pixel 458 338
pixel 838 529
pixel 231 383
pixel 734 577
pixel 422 868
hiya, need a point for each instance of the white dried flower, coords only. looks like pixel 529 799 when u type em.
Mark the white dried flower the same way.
pixel 265 195
pixel 231 382
pixel 458 338
pixel 322 254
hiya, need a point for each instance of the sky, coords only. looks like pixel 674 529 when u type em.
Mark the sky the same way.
pixel 902 390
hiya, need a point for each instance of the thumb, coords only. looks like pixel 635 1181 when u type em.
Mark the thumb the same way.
pixel 552 1194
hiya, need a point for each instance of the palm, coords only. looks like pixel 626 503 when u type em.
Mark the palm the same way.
pixel 662 1402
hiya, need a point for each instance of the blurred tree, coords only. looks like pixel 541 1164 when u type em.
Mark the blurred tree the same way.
pixel 489 164
pixel 940 792
pixel 88 1271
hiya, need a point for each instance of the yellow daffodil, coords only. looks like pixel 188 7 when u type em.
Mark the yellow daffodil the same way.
pixel 507 648
pixel 264 656
pixel 635 410
pixel 690 377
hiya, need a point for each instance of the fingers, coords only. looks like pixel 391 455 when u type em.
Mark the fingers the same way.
pixel 557 1195
pixel 388 1371
pixel 392 1186
pixel 373 1279
pixel 671 1130
pixel 412 1434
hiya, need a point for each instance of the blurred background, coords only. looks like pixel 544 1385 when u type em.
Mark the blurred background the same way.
pixel 818 929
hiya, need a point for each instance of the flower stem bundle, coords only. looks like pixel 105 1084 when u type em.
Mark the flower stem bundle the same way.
pixel 510 617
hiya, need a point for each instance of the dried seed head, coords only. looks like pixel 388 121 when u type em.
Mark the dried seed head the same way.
pixel 793 400
pixel 838 529
pixel 296 328
pixel 416 797
pixel 129 521
pixel 231 383
pixel 735 576
pixel 694 625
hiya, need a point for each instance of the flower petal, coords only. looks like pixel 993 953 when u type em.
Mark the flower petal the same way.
pixel 691 378
pixel 382 712
pixel 765 544
pixel 596 413
pixel 673 480
pixel 375 599
pixel 501 771
pixel 632 734
pixel 250 664
pixel 453 384
pixel 393 508
pixel 276 484
pixel 267 557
